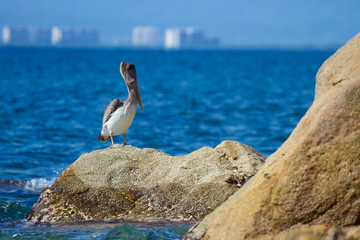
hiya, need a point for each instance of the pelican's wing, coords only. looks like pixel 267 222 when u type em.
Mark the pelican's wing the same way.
pixel 109 110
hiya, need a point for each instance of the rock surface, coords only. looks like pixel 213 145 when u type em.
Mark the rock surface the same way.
pixel 313 178
pixel 340 68
pixel 317 232
pixel 129 183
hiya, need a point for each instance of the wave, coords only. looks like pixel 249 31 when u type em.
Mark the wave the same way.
pixel 33 184
pixel 38 183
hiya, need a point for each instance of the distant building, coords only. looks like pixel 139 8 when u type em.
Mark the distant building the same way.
pixel 26 35
pixel 46 36
pixel 145 36
pixel 42 36
pixel 173 38
pixel 176 38
pixel 65 36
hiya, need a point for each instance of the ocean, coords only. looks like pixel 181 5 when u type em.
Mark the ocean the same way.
pixel 52 102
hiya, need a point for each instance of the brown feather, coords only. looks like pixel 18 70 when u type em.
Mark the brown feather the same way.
pixel 109 110
pixel 102 139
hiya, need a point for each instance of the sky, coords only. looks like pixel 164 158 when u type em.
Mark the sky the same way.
pixel 242 23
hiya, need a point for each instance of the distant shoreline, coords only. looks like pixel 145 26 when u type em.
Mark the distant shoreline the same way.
pixel 229 48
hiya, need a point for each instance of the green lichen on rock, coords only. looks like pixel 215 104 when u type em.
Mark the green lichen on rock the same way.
pixel 352 99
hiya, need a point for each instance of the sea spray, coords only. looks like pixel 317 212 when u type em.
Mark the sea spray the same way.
pixel 38 183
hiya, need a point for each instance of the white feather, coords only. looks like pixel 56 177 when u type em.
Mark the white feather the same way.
pixel 120 120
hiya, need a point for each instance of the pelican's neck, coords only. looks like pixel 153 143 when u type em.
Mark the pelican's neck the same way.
pixel 132 95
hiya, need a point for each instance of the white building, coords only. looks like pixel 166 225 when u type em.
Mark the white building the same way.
pixel 26 35
pixel 145 36
pixel 66 36
pixel 173 38
pixel 176 38
pixel 45 36
pixel 6 34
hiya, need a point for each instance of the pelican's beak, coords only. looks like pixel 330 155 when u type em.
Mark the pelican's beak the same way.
pixel 128 72
pixel 138 96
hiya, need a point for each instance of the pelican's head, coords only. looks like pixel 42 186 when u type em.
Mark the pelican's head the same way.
pixel 128 72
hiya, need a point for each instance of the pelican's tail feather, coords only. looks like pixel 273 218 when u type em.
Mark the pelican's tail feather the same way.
pixel 103 139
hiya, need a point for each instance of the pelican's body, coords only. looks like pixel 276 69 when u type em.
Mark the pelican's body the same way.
pixel 119 115
pixel 120 120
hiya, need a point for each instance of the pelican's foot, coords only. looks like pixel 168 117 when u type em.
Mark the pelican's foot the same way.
pixel 116 145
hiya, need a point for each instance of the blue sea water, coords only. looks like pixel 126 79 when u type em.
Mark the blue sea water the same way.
pixel 52 101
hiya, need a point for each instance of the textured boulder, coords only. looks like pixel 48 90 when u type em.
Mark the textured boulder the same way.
pixel 129 183
pixel 317 232
pixel 340 68
pixel 313 178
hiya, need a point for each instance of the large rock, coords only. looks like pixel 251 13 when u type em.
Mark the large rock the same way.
pixel 129 183
pixel 317 232
pixel 313 178
pixel 340 68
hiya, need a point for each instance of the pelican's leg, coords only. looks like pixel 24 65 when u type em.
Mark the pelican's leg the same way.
pixel 112 140
pixel 124 135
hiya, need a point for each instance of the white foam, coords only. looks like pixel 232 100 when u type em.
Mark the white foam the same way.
pixel 38 183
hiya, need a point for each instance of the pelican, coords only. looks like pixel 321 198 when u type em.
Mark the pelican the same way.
pixel 119 115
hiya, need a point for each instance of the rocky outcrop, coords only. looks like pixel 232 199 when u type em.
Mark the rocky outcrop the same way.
pixel 317 232
pixel 341 68
pixel 129 183
pixel 313 178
